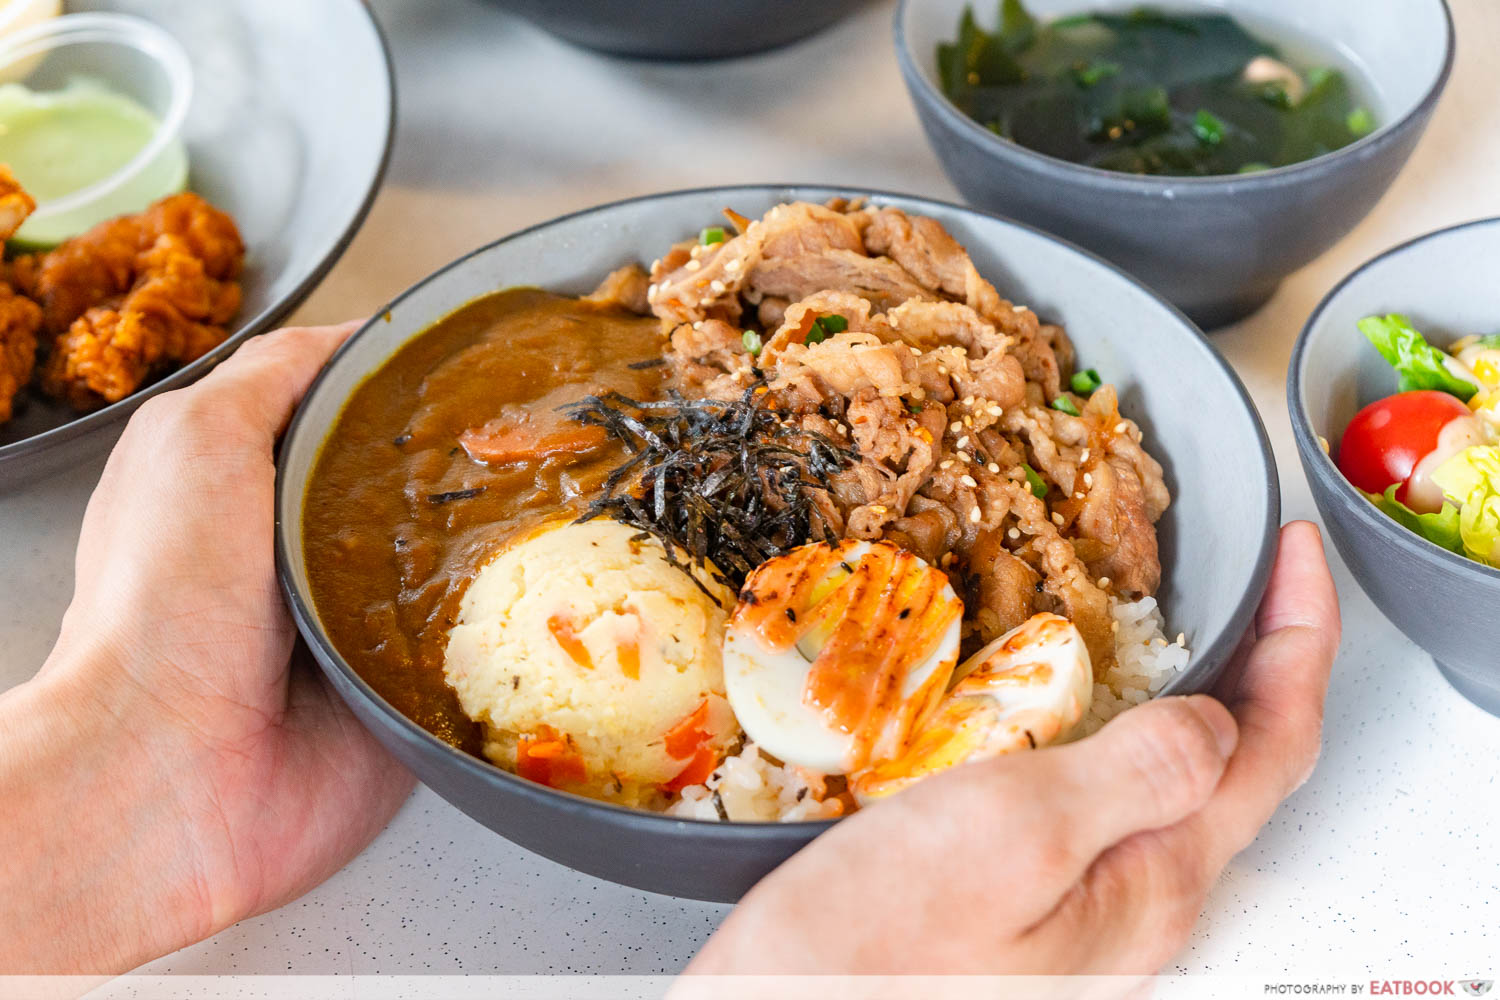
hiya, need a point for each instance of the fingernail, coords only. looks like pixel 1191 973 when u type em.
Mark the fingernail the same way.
pixel 1217 718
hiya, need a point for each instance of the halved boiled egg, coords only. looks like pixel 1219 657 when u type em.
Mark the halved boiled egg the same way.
pixel 1028 688
pixel 836 653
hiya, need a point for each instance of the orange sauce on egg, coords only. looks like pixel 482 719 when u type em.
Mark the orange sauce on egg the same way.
pixel 881 616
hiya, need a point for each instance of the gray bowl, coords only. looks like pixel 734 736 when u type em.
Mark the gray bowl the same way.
pixel 1215 246
pixel 1217 538
pixel 1445 282
pixel 681 29
pixel 287 131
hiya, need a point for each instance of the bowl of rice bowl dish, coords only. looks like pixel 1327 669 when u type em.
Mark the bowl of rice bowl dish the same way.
pixel 661 536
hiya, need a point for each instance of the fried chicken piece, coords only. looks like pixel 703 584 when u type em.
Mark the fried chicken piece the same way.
pixel 15 203
pixel 208 234
pixel 101 265
pixel 86 271
pixel 175 314
pixel 19 319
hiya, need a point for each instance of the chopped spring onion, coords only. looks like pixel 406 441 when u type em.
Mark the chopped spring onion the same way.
pixel 1066 405
pixel 751 340
pixel 1034 480
pixel 712 235
pixel 1253 168
pixel 1085 382
pixel 1208 128
pixel 1360 122
pixel 826 326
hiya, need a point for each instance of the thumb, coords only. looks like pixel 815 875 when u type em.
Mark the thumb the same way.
pixel 1148 769
pixel 266 378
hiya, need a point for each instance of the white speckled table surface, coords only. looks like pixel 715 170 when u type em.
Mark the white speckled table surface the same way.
pixel 1384 861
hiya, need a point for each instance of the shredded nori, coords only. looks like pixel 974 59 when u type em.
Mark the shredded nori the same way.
pixel 469 494
pixel 732 483
pixel 719 806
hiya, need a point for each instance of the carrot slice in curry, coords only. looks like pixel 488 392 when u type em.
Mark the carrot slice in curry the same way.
pixel 501 442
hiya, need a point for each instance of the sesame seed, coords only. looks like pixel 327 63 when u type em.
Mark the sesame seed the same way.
pixel 963 442
pixel 1114 626
pixel 956 427
pixel 946 463
pixel 1088 479
pixel 1104 581
pixel 993 468
pixel 650 291
pixel 692 265
pixel 1077 496
pixel 697 324
pixel 842 429
pixel 942 369
pixel 1182 638
pixel 968 481
pixel 1019 309
pixel 1057 518
pixel 963 456
pixel 974 515
pixel 1121 427
pixel 1085 456
pixel 716 286
pixel 995 411
pixel 918 393
pixel 656 263
pixel 1014 533
pixel 732 265
pixel 968 421
pixel 877 509
pixel 968 400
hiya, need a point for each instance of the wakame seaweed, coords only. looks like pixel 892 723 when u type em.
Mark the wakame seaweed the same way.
pixel 728 483
pixel 1147 92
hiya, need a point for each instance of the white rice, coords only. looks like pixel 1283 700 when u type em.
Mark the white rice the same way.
pixel 1146 661
pixel 752 788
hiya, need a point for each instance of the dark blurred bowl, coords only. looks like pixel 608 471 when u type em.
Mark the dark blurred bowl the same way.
pixel 1216 538
pixel 1445 282
pixel 1215 246
pixel 681 29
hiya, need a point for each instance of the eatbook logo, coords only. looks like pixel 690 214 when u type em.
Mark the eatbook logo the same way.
pixel 1475 987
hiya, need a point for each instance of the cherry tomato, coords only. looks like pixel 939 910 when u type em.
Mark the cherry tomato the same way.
pixel 1384 442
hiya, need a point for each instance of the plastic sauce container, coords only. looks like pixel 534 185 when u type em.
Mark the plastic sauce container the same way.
pixel 91 114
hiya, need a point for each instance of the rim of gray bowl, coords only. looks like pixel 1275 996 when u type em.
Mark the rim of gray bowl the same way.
pixel 307 621
pixel 1152 184
pixel 18 451
pixel 1350 500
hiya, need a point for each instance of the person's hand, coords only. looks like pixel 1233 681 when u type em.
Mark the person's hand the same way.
pixel 1089 858
pixel 170 771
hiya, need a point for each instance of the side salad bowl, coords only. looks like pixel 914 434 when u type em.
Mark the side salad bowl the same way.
pixel 1444 602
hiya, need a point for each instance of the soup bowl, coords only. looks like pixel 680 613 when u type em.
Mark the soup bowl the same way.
pixel 1445 282
pixel 1215 246
pixel 1216 539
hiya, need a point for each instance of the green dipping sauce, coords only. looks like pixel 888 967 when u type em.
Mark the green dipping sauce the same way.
pixel 1147 92
pixel 59 142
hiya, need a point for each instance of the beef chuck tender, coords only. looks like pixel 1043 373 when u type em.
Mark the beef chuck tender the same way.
pixel 943 388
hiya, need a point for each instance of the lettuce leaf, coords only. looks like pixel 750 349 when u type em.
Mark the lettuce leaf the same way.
pixel 1420 365
pixel 1472 479
pixel 1440 528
